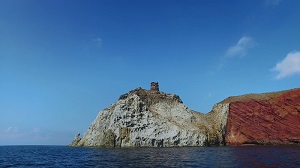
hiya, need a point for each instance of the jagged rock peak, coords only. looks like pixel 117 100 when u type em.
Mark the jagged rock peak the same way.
pixel 146 118
pixel 151 97
pixel 150 118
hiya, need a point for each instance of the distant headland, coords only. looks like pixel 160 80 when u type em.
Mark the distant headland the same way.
pixel 151 118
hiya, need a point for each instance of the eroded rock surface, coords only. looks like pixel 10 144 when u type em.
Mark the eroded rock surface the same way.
pixel 150 118
pixel 143 118
pixel 271 118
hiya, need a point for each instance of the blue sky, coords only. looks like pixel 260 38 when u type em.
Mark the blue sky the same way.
pixel 61 62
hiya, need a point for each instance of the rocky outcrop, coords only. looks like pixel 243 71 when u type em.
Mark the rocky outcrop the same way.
pixel 76 140
pixel 271 118
pixel 150 118
pixel 143 118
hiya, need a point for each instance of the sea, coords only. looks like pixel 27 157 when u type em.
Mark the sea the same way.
pixel 64 156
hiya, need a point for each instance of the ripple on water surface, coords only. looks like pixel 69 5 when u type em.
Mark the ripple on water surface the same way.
pixel 63 156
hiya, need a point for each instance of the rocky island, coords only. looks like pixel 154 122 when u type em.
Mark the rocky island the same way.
pixel 150 118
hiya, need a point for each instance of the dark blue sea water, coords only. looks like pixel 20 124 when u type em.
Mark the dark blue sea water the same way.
pixel 63 156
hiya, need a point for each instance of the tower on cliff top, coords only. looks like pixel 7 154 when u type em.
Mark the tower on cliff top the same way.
pixel 154 86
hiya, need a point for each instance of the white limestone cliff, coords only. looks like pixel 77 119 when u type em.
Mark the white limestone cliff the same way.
pixel 143 118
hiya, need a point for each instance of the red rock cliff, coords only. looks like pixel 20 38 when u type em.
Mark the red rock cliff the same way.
pixel 272 118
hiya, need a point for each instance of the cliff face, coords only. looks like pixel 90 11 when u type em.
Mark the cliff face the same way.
pixel 143 118
pixel 264 119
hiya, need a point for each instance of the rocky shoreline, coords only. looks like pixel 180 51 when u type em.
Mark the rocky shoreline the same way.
pixel 150 118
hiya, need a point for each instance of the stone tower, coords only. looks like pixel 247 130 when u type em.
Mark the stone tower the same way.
pixel 154 86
